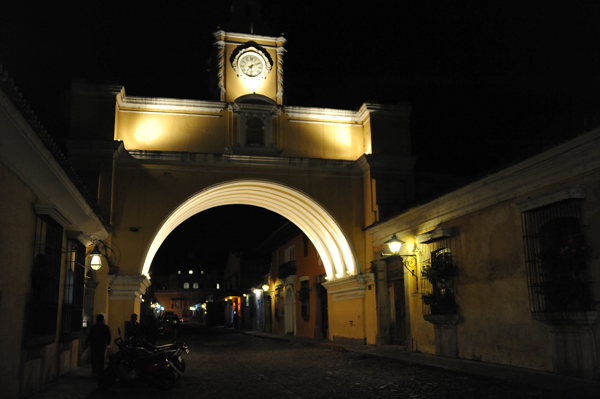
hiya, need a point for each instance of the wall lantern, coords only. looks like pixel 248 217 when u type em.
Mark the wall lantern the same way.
pixel 265 288
pixel 96 255
pixel 395 244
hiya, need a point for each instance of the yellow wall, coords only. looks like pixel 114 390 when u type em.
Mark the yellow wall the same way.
pixel 495 322
pixel 18 223
pixel 161 131
pixel 321 140
pixel 348 320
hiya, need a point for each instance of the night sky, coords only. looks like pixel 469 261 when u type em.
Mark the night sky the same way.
pixel 489 82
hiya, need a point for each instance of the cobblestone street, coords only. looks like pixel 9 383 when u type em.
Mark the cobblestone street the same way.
pixel 227 364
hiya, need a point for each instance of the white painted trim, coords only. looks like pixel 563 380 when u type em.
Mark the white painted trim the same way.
pixel 550 197
pixel 126 111
pixel 352 287
pixel 129 103
pixel 248 36
pixel 51 211
pixel 324 123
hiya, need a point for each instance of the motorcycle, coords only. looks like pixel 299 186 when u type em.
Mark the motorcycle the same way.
pixel 160 366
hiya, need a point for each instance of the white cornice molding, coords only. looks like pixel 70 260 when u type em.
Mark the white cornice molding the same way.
pixel 129 287
pixel 343 116
pixel 273 164
pixel 551 197
pixel 322 114
pixel 550 168
pixel 243 37
pixel 25 155
pixel 352 287
pixel 167 105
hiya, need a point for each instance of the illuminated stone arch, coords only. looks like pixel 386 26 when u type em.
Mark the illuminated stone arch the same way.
pixel 312 218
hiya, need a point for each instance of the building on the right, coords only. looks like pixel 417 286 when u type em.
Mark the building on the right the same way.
pixel 504 270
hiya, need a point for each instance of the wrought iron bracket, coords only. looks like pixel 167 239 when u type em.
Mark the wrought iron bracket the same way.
pixel 413 259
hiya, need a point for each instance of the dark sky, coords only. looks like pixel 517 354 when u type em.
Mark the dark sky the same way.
pixel 489 82
pixel 487 79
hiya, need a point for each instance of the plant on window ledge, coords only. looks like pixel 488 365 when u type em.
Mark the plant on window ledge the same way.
pixel 440 271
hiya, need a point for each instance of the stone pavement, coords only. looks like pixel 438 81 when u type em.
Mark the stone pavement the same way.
pixel 77 384
pixel 578 387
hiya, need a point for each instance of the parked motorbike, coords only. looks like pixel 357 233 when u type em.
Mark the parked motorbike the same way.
pixel 160 366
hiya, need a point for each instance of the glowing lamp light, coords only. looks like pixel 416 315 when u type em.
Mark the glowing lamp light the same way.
pixel 265 288
pixel 394 244
pixel 96 262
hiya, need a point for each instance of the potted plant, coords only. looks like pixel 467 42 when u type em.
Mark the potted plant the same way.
pixel 440 271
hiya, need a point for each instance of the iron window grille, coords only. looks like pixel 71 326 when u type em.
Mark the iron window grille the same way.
pixel 440 291
pixel 42 304
pixel 72 307
pixel 304 298
pixel 287 269
pixel 556 257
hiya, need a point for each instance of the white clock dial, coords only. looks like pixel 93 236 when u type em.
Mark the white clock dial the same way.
pixel 251 64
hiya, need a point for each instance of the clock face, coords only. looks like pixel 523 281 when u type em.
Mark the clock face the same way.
pixel 251 64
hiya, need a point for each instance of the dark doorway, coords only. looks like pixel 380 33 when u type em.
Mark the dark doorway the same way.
pixel 395 272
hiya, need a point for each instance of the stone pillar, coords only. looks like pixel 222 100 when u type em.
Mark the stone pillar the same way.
pixel 383 303
pixel 125 293
pixel 573 344
pixel 446 344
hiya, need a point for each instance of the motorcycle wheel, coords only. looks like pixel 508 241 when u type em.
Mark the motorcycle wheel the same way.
pixel 166 379
pixel 109 377
pixel 180 364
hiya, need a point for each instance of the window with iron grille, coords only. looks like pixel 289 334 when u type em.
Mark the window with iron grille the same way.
pixel 557 257
pixel 42 306
pixel 72 308
pixel 438 275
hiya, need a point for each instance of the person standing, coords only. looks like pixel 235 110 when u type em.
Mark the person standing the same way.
pixel 98 340
pixel 132 328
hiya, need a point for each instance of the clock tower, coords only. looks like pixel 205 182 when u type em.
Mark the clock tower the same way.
pixel 247 59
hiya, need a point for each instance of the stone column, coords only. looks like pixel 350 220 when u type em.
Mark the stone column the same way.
pixel 384 312
pixel 573 344
pixel 125 294
pixel 446 344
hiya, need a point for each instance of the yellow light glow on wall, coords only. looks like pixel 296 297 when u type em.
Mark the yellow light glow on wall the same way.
pixel 253 85
pixel 149 130
pixel 315 221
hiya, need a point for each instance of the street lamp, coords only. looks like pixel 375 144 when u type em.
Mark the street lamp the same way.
pixel 395 244
pixel 96 262
pixel 265 288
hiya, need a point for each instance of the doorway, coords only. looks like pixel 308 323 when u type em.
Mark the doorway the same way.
pixel 395 273
pixel 290 311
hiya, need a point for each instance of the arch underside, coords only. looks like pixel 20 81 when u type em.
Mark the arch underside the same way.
pixel 312 218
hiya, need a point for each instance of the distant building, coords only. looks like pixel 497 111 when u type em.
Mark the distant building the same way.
pixel 295 301
pixel 183 293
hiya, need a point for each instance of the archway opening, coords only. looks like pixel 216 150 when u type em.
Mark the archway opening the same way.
pixel 311 217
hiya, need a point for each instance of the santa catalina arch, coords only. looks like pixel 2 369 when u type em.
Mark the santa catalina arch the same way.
pixel 331 172
pixel 315 221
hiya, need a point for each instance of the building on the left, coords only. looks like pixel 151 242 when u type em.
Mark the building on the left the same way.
pixel 50 226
